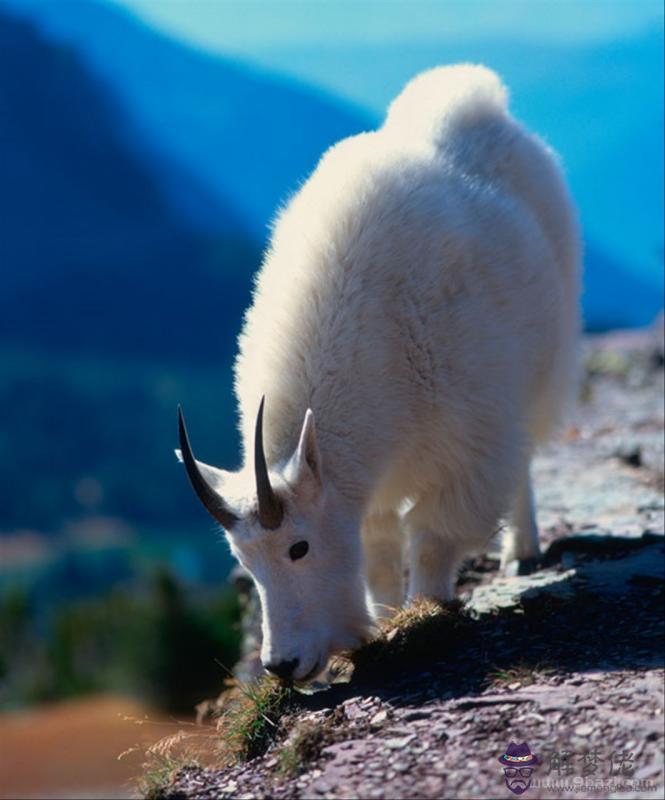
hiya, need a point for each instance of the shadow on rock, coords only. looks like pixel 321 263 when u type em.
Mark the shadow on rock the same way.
pixel 597 605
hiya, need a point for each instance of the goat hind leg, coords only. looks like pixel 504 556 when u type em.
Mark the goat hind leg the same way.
pixel 521 542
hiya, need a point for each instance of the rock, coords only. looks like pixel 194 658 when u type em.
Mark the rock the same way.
pixel 353 711
pixel 584 729
pixel 416 714
pixel 379 719
pixel 440 734
pixel 631 454
pixel 399 742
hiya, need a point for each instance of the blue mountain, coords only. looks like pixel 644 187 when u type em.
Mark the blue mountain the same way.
pixel 246 134
pixel 136 180
pixel 124 272
pixel 238 140
pixel 95 257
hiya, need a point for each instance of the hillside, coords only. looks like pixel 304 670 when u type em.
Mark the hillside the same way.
pixel 95 255
pixel 568 659
pixel 110 310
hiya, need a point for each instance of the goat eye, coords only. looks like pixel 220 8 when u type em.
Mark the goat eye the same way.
pixel 298 550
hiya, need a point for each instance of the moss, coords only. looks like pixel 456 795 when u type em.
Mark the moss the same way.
pixel 608 362
pixel 302 747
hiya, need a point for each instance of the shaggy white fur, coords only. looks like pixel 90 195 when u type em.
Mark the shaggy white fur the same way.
pixel 421 296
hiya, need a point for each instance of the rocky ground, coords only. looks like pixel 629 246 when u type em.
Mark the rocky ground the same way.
pixel 568 659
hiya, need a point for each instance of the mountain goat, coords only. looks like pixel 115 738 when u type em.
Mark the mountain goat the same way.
pixel 413 332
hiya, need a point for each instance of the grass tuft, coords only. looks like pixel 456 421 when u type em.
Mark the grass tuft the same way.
pixel 158 773
pixel 306 741
pixel 409 638
pixel 192 747
pixel 250 718
pixel 523 673
pixel 247 724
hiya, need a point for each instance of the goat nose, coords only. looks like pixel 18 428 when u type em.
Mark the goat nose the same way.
pixel 283 669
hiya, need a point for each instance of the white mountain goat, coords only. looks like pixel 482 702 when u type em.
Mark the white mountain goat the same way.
pixel 413 331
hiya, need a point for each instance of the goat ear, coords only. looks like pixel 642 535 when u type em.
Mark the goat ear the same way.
pixel 307 459
pixel 214 476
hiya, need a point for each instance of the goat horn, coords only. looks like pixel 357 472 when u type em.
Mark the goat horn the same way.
pixel 271 512
pixel 212 501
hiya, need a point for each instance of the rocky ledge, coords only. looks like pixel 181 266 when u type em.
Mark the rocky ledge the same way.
pixel 567 660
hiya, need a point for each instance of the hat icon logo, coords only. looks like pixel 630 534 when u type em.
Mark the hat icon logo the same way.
pixel 518 764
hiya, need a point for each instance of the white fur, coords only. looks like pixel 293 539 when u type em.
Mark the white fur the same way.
pixel 420 296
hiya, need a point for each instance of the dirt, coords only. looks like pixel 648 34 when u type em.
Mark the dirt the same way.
pixel 567 659
pixel 70 749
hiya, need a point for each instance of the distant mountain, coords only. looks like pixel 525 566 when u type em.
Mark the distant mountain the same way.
pixel 247 135
pixel 252 136
pixel 95 257
pixel 113 308
pixel 136 180
pixel 221 145
pixel 614 296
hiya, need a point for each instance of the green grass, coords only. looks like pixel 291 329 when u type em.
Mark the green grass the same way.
pixel 251 718
pixel 158 772
pixel 247 725
pixel 190 746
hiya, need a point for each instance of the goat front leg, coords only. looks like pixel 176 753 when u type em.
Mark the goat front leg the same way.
pixel 445 528
pixel 383 542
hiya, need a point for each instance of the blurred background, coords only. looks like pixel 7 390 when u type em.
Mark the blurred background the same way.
pixel 144 147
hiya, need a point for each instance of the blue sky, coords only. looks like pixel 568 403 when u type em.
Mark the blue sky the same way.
pixel 245 26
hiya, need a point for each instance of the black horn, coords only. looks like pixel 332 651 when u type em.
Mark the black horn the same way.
pixel 212 501
pixel 271 512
